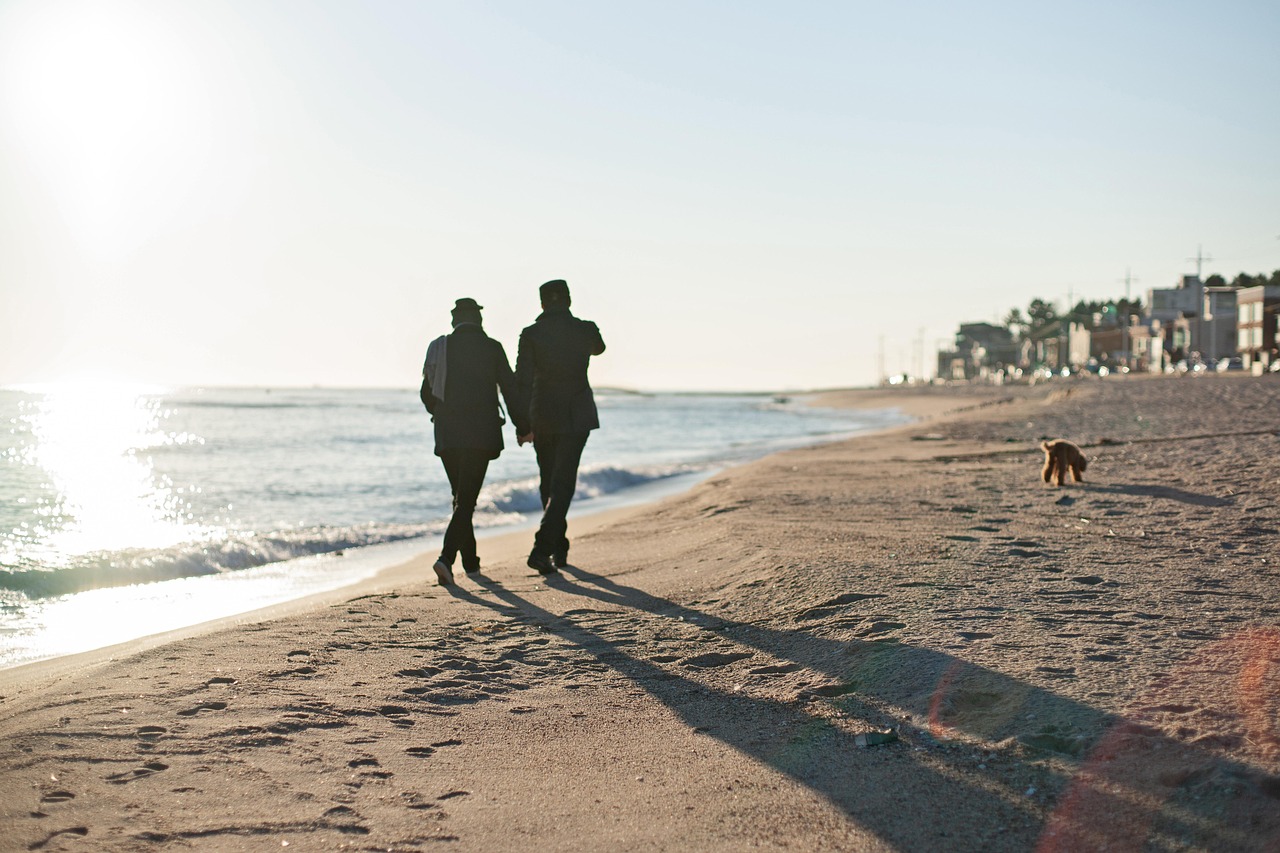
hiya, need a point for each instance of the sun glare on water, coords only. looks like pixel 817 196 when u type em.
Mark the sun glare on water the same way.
pixel 91 442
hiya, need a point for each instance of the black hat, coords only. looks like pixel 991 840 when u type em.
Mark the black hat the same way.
pixel 556 289
pixel 466 304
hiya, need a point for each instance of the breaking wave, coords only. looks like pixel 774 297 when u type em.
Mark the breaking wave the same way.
pixel 500 504
pixel 206 557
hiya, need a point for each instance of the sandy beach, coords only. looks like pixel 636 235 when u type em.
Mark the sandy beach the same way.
pixel 903 641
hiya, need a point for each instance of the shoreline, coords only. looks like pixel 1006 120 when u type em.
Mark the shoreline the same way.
pixel 1058 668
pixel 608 505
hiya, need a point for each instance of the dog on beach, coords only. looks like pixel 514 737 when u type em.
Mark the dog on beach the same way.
pixel 1059 455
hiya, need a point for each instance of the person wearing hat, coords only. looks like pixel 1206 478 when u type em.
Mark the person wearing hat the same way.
pixel 551 373
pixel 461 378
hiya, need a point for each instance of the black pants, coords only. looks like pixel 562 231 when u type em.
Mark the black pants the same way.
pixel 558 456
pixel 466 470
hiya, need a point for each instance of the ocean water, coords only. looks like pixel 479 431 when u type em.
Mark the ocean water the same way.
pixel 127 511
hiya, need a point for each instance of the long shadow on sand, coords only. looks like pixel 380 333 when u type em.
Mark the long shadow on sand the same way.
pixel 1135 787
pixel 1165 492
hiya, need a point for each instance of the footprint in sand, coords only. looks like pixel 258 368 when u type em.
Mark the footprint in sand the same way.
pixel 776 669
pixel 847 598
pixel 298 653
pixel 149 769
pixel 151 733
pixel 396 714
pixel 714 659
pixel 301 670
pixel 57 797
pixel 80 831
pixel 1172 709
pixel 359 763
pixel 204 706
pixel 877 628
pixel 220 680
pixel 427 751
pixel 664 658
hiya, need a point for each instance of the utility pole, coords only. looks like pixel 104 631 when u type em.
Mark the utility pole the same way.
pixel 1124 321
pixel 917 360
pixel 1200 258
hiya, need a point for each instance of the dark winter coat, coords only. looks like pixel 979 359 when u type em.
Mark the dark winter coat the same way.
pixel 551 372
pixel 468 418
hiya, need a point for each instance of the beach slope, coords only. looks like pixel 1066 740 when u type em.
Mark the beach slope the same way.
pixel 905 641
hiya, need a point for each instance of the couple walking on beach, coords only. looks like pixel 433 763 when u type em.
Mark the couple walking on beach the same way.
pixel 550 403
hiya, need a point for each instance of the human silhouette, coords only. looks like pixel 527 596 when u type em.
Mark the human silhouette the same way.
pixel 460 381
pixel 551 372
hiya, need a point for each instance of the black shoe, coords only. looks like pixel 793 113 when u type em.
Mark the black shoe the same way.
pixel 444 573
pixel 542 563
pixel 560 559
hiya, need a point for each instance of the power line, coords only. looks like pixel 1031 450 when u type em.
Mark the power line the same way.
pixel 1200 258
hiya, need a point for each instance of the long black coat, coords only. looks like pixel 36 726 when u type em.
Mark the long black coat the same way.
pixel 551 371
pixel 468 418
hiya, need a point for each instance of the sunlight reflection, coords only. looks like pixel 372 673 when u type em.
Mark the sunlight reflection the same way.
pixel 90 441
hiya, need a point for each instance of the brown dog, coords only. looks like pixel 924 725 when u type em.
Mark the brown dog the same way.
pixel 1059 455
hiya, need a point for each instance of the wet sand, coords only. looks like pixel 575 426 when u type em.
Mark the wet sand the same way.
pixel 1088 667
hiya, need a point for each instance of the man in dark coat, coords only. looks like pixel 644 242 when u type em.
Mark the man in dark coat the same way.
pixel 551 372
pixel 460 382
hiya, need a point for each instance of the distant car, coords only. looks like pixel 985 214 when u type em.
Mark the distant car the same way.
pixel 1233 363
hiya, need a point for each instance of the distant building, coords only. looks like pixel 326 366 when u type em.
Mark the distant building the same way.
pixel 1216 338
pixel 1196 321
pixel 1049 346
pixel 1166 304
pixel 1256 328
pixel 982 351
pixel 1146 343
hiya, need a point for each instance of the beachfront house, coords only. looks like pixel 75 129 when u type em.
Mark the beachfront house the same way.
pixel 1197 321
pixel 1256 332
pixel 1049 346
pixel 1104 341
pixel 1166 304
pixel 983 351
pixel 1178 310
pixel 1216 338
pixel 1146 343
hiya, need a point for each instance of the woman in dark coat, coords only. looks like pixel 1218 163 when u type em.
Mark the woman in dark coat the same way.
pixel 460 382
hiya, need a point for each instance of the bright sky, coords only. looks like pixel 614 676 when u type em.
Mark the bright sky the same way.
pixel 744 195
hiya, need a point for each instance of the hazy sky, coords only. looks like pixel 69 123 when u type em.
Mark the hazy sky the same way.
pixel 741 194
